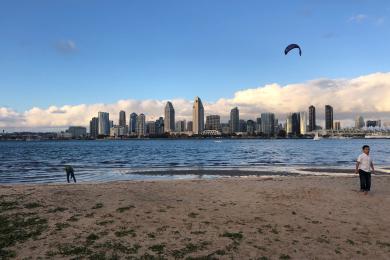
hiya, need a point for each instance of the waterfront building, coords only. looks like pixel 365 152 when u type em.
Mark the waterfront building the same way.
pixel 160 126
pixel 94 127
pixel 312 119
pixel 104 123
pixel 268 124
pixel 141 126
pixel 373 123
pixel 169 118
pixel 328 117
pixel 242 127
pixel 295 124
pixel 289 128
pixel 303 122
pixel 189 126
pixel 213 122
pixel 77 131
pixel 337 125
pixel 133 123
pixel 181 126
pixel 225 128
pixel 235 120
pixel 258 125
pixel 198 116
pixel 250 127
pixel 359 122
pixel 122 118
pixel 151 128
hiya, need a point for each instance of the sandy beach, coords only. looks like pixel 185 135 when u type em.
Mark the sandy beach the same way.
pixel 273 217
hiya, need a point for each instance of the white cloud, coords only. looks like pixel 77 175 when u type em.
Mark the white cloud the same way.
pixel 368 95
pixel 66 46
pixel 358 18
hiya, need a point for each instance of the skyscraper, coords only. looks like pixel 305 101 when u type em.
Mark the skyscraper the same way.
pixel 337 125
pixel 359 122
pixel 104 123
pixel 94 127
pixel 268 124
pixel 312 118
pixel 122 118
pixel 213 122
pixel 160 126
pixel 234 120
pixel 141 127
pixel 133 123
pixel 189 126
pixel 289 124
pixel 169 118
pixel 303 122
pixel 197 117
pixel 328 117
pixel 295 124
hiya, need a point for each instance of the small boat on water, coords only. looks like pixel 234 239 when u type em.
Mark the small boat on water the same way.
pixel 316 137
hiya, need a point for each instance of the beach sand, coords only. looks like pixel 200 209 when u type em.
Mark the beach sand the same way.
pixel 294 217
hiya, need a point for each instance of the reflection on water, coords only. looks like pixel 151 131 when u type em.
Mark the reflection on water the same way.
pixel 116 160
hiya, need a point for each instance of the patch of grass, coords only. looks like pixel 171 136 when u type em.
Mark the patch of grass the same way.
pixel 98 206
pixel 284 257
pixel 123 209
pixel 8 205
pixel 89 215
pixel 161 210
pixel 105 222
pixel 220 252
pixel 32 205
pixel 92 238
pixel 188 249
pixel 61 226
pixel 351 242
pixel 57 209
pixel 158 248
pixel 275 231
pixel 119 247
pixel 151 235
pixel 17 228
pixel 73 219
pixel 125 232
pixel 233 236
pixel 193 215
pixel 323 240
pixel 382 244
pixel 198 232
pixel 73 250
pixel 263 258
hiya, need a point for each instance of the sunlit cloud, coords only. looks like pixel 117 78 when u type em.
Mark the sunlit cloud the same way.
pixel 66 46
pixel 368 95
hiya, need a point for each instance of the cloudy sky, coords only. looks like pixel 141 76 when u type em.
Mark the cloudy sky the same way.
pixel 63 61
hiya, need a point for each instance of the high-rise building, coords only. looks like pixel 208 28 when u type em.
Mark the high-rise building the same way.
pixel 180 126
pixel 151 128
pixel 312 118
pixel 337 125
pixel 328 117
pixel 160 126
pixel 189 126
pixel 77 131
pixel 303 122
pixel 122 118
pixel 268 124
pixel 289 128
pixel 296 124
pixel 213 122
pixel 133 123
pixel 250 127
pixel 94 127
pixel 234 120
pixel 198 117
pixel 242 127
pixel 104 123
pixel 258 125
pixel 359 122
pixel 141 127
pixel 169 118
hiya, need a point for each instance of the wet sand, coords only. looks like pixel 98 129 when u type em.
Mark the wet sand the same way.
pixel 271 217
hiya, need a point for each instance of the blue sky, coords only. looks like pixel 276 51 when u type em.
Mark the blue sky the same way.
pixel 85 52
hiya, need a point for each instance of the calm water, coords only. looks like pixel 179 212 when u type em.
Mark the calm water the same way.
pixel 118 160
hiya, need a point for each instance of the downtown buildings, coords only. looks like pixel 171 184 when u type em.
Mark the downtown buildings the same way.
pixel 197 117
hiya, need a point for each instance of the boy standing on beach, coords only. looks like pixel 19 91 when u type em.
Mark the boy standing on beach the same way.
pixel 364 165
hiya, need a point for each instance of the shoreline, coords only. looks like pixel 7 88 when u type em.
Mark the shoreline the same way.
pixel 289 217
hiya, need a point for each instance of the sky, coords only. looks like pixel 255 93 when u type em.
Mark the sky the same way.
pixel 91 55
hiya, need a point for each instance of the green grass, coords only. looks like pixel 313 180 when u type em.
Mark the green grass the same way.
pixel 73 219
pixel 188 249
pixel 159 248
pixel 32 205
pixel 57 209
pixel 193 215
pixel 351 242
pixel 8 205
pixel 105 222
pixel 92 238
pixel 233 236
pixel 284 257
pixel 18 228
pixel 125 232
pixel 61 226
pixel 123 209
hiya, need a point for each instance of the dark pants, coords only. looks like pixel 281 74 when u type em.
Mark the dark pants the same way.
pixel 365 180
pixel 71 175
